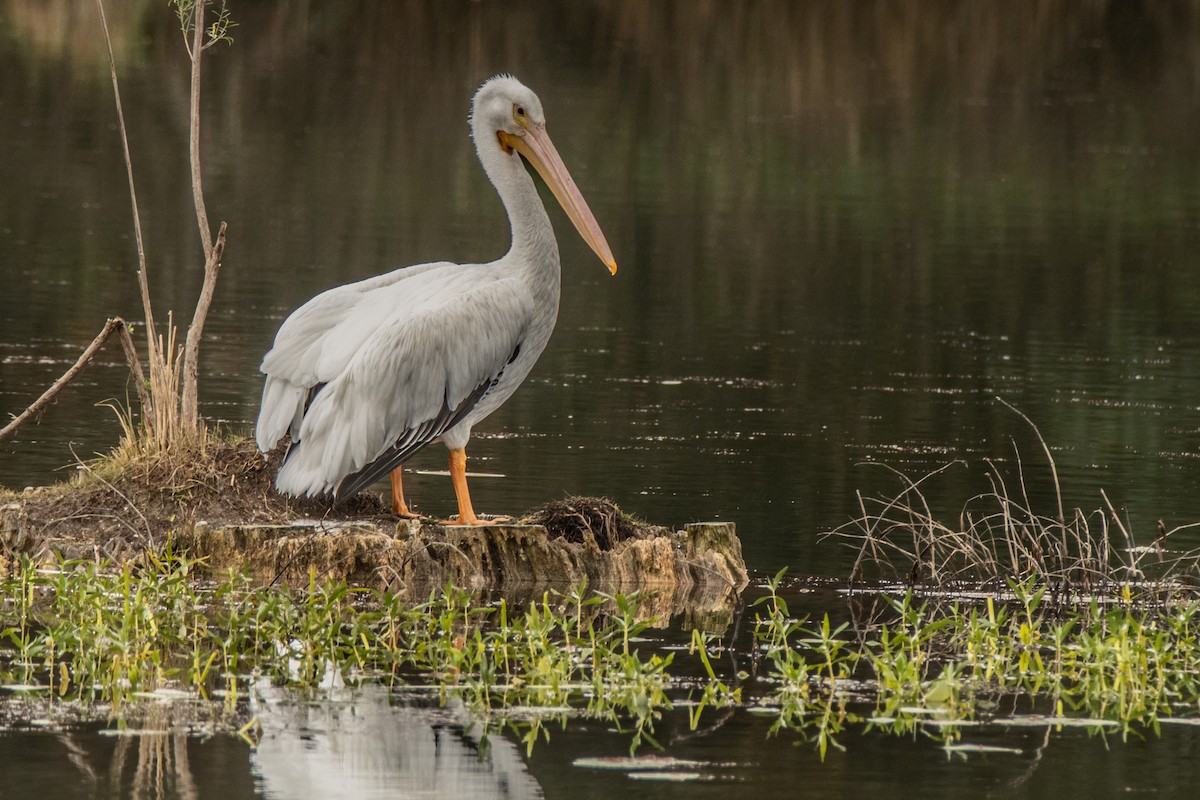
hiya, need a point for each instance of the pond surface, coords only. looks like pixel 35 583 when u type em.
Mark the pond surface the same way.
pixel 843 230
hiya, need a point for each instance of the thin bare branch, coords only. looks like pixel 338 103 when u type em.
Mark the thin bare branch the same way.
pixel 1130 550
pixel 1045 448
pixel 143 281
pixel 189 401
pixel 135 368
pixel 112 326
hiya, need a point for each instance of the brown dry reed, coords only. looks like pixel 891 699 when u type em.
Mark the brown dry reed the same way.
pixel 1000 537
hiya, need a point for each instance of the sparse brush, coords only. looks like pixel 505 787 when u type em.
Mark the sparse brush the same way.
pixel 999 536
pixel 170 412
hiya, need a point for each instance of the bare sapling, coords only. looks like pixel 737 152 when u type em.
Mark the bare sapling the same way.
pixel 202 38
pixel 170 397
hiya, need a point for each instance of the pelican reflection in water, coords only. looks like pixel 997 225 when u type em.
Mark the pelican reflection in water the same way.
pixel 364 375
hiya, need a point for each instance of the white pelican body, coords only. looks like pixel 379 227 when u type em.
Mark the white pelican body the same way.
pixel 364 375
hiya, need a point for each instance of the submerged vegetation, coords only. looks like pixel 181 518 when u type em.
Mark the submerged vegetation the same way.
pixel 906 666
pixel 941 666
pixel 93 635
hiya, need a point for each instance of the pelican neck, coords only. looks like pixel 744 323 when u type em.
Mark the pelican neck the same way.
pixel 533 243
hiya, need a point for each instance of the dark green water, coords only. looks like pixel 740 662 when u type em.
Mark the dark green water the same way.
pixel 843 230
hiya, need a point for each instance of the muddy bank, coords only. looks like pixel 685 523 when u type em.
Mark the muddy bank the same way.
pixel 218 505
pixel 697 569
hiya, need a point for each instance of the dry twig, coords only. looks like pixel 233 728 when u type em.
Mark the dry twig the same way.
pixel 117 326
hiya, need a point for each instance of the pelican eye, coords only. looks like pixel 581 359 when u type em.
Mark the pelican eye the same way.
pixel 520 111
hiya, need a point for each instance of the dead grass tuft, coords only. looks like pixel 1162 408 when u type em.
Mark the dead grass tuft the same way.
pixel 1000 538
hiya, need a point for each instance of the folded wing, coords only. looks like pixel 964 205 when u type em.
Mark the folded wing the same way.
pixel 365 375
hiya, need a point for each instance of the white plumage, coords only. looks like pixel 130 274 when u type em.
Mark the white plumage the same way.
pixel 364 375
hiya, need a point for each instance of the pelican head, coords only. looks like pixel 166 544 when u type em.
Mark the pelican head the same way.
pixel 509 111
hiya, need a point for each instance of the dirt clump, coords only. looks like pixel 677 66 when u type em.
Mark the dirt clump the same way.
pixel 577 518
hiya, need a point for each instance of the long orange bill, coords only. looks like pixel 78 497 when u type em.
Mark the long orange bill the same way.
pixel 539 151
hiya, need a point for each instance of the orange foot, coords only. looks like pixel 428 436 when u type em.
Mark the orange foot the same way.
pixel 473 520
pixel 399 507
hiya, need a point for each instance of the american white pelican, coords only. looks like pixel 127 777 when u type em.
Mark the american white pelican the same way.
pixel 364 375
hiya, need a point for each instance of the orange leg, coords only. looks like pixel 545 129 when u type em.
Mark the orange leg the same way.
pixel 399 507
pixel 458 476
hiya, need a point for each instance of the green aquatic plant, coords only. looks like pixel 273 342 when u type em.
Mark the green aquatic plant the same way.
pixel 934 665
pixel 808 666
pixel 916 666
pixel 112 634
pixel 95 634
pixel 716 691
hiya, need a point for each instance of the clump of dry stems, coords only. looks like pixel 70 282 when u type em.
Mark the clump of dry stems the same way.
pixel 999 537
